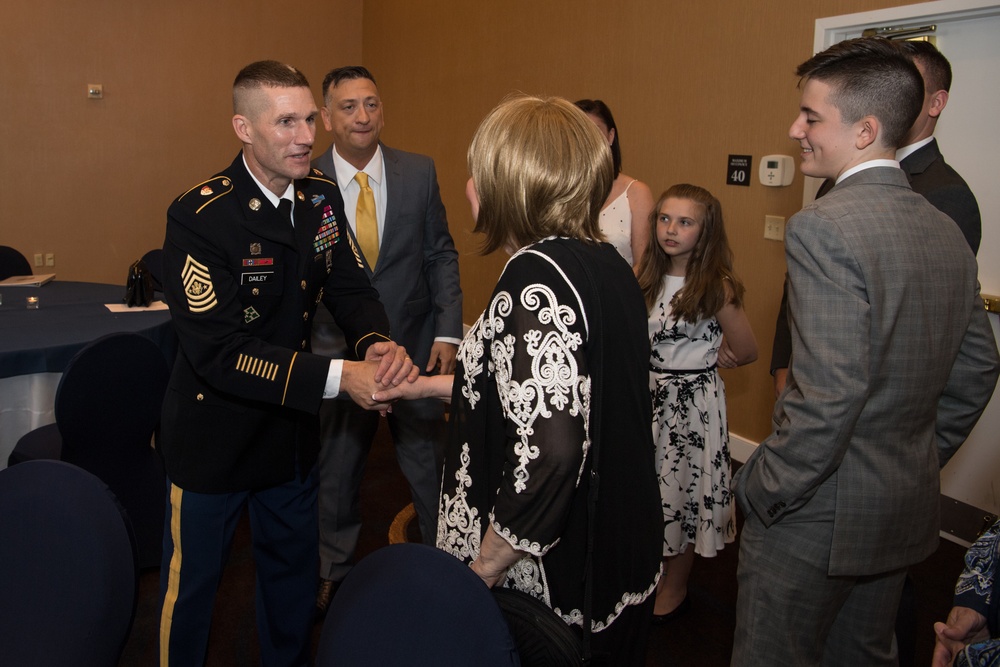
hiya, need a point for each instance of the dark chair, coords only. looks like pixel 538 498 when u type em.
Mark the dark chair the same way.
pixel 408 604
pixel 12 263
pixel 107 407
pixel 68 560
pixel 154 264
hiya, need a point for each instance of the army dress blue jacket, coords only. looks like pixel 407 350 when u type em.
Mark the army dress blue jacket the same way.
pixel 243 286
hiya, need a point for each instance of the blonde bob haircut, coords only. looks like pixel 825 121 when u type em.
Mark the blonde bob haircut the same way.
pixel 540 168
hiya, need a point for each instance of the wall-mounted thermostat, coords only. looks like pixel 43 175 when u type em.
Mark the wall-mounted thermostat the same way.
pixel 777 170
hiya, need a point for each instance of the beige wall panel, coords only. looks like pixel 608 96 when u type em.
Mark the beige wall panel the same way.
pixel 689 84
pixel 90 180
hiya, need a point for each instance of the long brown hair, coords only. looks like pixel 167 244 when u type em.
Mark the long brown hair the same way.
pixel 709 280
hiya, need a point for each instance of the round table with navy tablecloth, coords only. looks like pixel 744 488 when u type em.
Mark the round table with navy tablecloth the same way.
pixel 36 345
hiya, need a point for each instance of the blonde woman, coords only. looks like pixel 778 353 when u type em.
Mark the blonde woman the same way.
pixel 554 369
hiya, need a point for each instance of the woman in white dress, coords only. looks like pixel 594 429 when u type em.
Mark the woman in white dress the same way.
pixel 625 216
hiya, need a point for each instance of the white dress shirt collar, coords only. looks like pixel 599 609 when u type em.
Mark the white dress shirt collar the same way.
pixel 868 165
pixel 906 151
pixel 346 171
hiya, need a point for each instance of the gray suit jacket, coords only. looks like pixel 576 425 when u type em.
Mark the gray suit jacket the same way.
pixel 416 274
pixel 894 362
pixel 942 186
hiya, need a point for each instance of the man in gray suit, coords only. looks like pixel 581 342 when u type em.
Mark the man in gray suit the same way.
pixel 928 173
pixel 413 264
pixel 893 361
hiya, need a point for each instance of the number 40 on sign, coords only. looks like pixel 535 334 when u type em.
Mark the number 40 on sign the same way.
pixel 738 172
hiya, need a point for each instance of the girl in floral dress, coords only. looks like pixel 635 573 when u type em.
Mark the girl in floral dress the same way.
pixel 696 323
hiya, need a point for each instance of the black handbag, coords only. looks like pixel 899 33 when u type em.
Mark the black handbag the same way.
pixel 542 638
pixel 138 286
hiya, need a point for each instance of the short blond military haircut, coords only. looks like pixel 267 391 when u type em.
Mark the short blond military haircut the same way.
pixel 263 74
pixel 541 168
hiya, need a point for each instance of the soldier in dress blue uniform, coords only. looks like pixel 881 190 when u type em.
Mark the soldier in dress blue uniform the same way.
pixel 249 255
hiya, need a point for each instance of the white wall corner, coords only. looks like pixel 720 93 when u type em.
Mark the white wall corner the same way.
pixel 740 448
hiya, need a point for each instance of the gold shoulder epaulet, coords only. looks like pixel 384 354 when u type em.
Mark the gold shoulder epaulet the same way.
pixel 317 175
pixel 207 192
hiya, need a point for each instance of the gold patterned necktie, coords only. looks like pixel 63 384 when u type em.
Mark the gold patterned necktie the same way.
pixel 365 221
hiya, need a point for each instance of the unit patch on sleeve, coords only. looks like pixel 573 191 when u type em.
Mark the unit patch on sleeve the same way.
pixel 198 286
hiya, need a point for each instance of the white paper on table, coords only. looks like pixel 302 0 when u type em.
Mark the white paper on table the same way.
pixel 28 281
pixel 122 308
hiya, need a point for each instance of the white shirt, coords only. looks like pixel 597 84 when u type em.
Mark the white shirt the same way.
pixel 868 165
pixel 906 151
pixel 350 189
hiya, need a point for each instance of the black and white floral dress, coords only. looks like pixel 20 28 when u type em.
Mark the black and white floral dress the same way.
pixel 690 429
pixel 525 414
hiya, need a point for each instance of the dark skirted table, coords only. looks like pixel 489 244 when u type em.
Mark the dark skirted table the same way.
pixel 36 345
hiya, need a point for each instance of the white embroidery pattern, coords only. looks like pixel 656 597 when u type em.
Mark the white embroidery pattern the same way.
pixel 575 617
pixel 526 575
pixel 458 523
pixel 533 548
pixel 470 357
pixel 555 376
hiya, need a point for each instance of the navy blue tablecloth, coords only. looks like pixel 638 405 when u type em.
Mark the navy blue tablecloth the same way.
pixel 70 315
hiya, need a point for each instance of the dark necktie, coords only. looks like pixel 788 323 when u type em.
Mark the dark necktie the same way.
pixel 285 209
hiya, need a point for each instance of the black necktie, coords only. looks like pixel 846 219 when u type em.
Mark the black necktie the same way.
pixel 285 209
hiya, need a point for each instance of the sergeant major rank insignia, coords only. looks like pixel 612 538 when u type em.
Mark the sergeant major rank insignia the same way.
pixel 198 286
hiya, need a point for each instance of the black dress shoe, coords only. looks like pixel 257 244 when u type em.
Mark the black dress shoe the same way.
pixel 679 610
pixel 327 589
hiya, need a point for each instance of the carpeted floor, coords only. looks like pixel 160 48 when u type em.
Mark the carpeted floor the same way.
pixel 702 637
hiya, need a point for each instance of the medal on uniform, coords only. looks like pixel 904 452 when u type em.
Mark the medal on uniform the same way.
pixel 328 232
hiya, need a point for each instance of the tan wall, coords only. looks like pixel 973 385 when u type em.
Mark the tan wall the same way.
pixel 689 83
pixel 90 180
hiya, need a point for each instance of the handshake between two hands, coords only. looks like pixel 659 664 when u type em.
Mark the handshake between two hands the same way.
pixel 386 375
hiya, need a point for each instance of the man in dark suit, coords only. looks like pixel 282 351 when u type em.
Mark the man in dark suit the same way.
pixel 408 253
pixel 925 168
pixel 891 371
pixel 248 256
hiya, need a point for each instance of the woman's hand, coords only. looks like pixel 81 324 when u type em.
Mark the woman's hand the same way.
pixel 495 556
pixel 424 386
